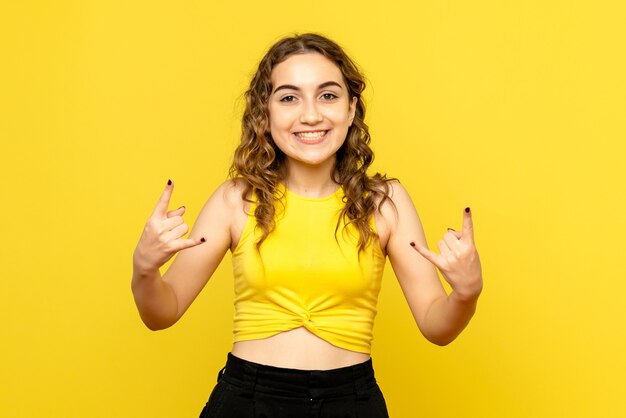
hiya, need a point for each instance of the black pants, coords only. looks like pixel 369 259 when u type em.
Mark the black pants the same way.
pixel 250 390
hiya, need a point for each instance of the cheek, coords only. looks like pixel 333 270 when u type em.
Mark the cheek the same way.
pixel 278 120
pixel 340 115
pixel 278 130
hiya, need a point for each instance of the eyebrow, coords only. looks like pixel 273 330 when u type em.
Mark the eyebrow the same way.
pixel 292 87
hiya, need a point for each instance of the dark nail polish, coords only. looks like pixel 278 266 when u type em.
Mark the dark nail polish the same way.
pixel 169 182
pixel 450 229
pixel 412 244
pixel 467 210
pixel 202 239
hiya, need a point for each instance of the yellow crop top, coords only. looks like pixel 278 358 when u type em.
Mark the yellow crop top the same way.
pixel 303 276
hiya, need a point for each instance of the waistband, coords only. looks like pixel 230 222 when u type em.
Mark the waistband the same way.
pixel 252 377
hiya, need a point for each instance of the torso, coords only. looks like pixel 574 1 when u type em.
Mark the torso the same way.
pixel 297 348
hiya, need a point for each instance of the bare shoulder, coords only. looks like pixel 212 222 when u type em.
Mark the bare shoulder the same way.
pixel 219 207
pixel 386 214
pixel 398 193
pixel 228 196
pixel 396 202
pixel 235 197
pixel 232 193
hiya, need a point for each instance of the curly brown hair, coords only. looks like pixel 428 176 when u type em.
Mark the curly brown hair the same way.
pixel 260 163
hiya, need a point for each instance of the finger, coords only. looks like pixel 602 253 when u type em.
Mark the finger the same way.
pixel 183 244
pixel 457 234
pixel 444 250
pixel 176 212
pixel 468 225
pixel 452 241
pixel 434 258
pixel 161 208
pixel 176 232
pixel 170 223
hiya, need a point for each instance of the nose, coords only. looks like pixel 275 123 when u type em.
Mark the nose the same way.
pixel 310 115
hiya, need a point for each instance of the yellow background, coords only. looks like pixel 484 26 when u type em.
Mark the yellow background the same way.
pixel 516 108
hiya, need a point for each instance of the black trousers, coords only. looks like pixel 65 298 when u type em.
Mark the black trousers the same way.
pixel 250 390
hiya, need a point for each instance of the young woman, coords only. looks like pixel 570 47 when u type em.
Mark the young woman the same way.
pixel 309 231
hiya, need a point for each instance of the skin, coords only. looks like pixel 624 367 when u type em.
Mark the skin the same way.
pixel 309 96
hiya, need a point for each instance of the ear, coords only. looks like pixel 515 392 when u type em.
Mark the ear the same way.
pixel 352 109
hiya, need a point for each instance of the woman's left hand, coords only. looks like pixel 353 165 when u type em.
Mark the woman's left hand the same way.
pixel 458 260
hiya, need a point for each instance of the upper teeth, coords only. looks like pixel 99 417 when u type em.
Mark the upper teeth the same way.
pixel 311 135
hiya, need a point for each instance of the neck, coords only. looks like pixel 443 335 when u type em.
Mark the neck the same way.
pixel 310 180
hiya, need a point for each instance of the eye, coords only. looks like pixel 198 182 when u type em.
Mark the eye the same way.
pixel 288 99
pixel 329 96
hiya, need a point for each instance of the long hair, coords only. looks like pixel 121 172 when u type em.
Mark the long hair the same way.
pixel 261 164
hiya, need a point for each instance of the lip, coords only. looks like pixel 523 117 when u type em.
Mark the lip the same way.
pixel 311 141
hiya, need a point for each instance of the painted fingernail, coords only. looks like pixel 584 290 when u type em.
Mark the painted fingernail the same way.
pixel 169 182
pixel 412 244
pixel 450 229
pixel 202 239
pixel 467 210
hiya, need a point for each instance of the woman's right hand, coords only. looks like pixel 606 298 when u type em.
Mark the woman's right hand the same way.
pixel 162 235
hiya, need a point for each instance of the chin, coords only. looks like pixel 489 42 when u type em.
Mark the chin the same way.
pixel 315 161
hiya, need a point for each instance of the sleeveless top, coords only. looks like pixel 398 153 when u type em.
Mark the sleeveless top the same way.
pixel 305 275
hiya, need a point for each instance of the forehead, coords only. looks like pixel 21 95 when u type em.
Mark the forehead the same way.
pixel 306 69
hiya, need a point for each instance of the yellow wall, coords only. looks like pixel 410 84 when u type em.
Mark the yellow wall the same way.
pixel 514 108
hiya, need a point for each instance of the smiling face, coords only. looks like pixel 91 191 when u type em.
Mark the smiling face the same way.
pixel 310 110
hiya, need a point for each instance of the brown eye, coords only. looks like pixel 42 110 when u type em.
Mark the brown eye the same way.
pixel 329 96
pixel 288 99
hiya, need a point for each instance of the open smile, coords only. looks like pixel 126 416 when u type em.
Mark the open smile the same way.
pixel 311 137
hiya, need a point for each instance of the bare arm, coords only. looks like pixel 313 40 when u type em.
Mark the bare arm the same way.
pixel 161 301
pixel 439 316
